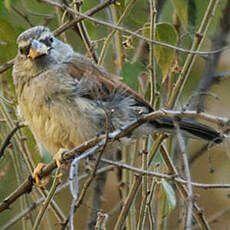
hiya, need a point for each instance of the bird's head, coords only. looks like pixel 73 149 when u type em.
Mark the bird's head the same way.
pixel 35 43
pixel 38 49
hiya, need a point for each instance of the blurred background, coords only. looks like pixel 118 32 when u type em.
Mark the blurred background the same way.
pixel 207 89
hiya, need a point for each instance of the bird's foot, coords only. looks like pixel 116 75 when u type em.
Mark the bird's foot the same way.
pixel 58 157
pixel 40 182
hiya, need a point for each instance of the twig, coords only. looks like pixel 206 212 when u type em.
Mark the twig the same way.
pixel 77 200
pixel 108 38
pixel 200 35
pixel 23 15
pixel 209 76
pixel 53 206
pixel 101 6
pixel 118 28
pixel 149 206
pixel 6 142
pixel 126 181
pixel 127 203
pixel 135 186
pixel 101 221
pixel 117 41
pixel 6 65
pixel 144 194
pixel 85 36
pixel 27 185
pixel 20 140
pixel 60 188
pixel 47 201
pixel 198 213
pixel 199 153
pixel 141 45
pixel 67 25
pixel 182 148
pixel 152 63
pixel 100 181
pixel 171 177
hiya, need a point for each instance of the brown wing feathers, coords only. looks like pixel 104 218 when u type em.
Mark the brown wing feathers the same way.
pixel 104 84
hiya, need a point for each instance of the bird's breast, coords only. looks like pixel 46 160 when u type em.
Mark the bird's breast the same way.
pixel 56 119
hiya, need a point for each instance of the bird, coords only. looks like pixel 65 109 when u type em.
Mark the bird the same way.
pixel 65 97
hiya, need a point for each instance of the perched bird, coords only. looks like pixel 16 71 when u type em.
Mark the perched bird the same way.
pixel 64 96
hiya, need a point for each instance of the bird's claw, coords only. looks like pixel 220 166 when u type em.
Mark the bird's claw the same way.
pixel 58 157
pixel 40 182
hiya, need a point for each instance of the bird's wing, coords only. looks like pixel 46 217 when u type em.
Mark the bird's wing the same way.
pixel 99 82
pixel 99 85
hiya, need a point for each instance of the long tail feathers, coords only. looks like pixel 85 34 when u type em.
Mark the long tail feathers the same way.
pixel 193 128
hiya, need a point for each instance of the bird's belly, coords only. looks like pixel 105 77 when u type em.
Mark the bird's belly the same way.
pixel 57 127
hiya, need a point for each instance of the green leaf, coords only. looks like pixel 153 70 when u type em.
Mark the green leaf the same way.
pixel 130 72
pixel 170 197
pixel 181 7
pixel 165 56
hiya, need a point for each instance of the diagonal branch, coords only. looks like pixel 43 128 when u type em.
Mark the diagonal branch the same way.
pixel 27 185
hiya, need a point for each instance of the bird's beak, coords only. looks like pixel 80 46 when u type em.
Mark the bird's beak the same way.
pixel 37 49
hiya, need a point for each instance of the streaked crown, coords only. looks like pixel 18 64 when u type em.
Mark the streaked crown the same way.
pixel 37 32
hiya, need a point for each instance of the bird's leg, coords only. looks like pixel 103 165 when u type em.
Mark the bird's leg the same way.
pixel 37 171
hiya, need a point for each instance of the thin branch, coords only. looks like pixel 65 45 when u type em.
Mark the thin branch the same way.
pixel 20 140
pixel 199 215
pixel 6 65
pixel 128 202
pixel 84 34
pixel 78 200
pixel 100 181
pixel 170 177
pixel 182 148
pixel 152 62
pixel 101 6
pixel 101 221
pixel 7 140
pixel 199 153
pixel 118 28
pixel 47 201
pixel 67 25
pixel 63 27
pixel 209 76
pixel 108 38
pixel 199 38
pixel 23 15
pixel 145 193
pixel 39 201
pixel 27 185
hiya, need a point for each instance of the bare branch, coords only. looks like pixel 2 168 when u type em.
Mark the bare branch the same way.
pixel 6 65
pixel 6 142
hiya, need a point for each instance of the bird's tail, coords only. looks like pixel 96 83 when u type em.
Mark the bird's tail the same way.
pixel 191 128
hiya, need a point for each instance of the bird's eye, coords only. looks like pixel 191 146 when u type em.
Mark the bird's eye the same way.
pixel 51 40
pixel 25 50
